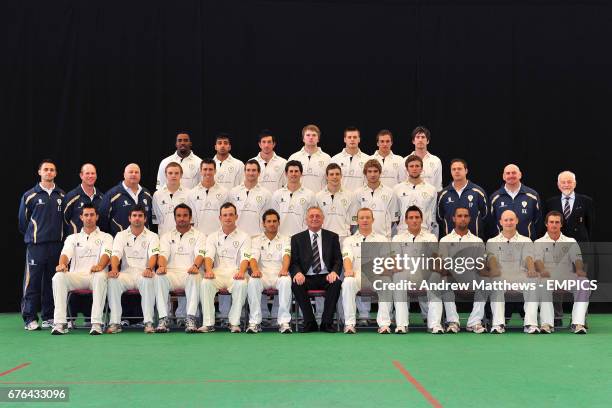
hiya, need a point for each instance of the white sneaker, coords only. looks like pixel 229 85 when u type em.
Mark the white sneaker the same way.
pixel 453 327
pixel 401 330
pixel 71 325
pixel 253 328
pixel 96 329
pixel 498 329
pixel 477 328
pixel 546 329
pixel 235 329
pixel 579 329
pixel 162 326
pixel 190 325
pixel 285 328
pixel 114 328
pixel 384 330
pixel 58 329
pixel 531 329
pixel 206 329
pixel 149 328
pixel 437 329
pixel 32 326
pixel 350 329
pixel 47 324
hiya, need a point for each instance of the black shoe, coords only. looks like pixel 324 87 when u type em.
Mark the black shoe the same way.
pixel 558 322
pixel 328 327
pixel 310 327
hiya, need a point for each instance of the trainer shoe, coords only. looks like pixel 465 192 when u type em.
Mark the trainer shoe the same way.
pixel 285 328
pixel 235 329
pixel 162 326
pixel 96 329
pixel 32 326
pixel 125 323
pixel 180 323
pixel 498 329
pixel 477 328
pixel 190 325
pixel 579 329
pixel 437 329
pixel 114 328
pixel 531 329
pixel 58 329
pixel 401 330
pixel 47 324
pixel 546 329
pixel 384 330
pixel 453 327
pixel 253 329
pixel 349 329
pixel 71 325
pixel 149 328
pixel 206 329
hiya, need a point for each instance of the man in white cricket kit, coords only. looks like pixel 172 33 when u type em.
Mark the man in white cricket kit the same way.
pixel 181 254
pixel 351 160
pixel 272 176
pixel 190 163
pixel 293 200
pixel 354 281
pixel 313 159
pixel 226 259
pixel 559 258
pixel 230 171
pixel 206 199
pixel 336 203
pixel 270 257
pixel 393 171
pixel 460 242
pixel 432 165
pixel 88 253
pixel 167 197
pixel 416 242
pixel 136 249
pixel 510 257
pixel 251 200
pixel 416 191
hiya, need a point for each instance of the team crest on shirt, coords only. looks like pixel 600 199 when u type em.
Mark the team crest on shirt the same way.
pixel 192 241
pixel 236 244
pixel 266 177
pixel 259 199
pixel 524 204
pixel 302 201
pixel 431 165
pixel 230 169
pixel 470 198
pixel 220 177
pixel 144 244
pixel 98 241
pixel 321 163
pixel 343 201
pixel 424 194
pixel 279 246
pixel 395 165
pixel 384 197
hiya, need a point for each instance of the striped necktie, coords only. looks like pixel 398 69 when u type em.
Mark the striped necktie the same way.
pixel 316 260
pixel 566 207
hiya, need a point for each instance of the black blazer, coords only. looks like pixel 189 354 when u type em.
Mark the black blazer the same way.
pixel 580 222
pixel 301 252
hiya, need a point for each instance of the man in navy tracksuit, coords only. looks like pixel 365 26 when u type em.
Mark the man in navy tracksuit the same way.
pixel 119 200
pixel 84 193
pixel 462 193
pixel 524 201
pixel 40 221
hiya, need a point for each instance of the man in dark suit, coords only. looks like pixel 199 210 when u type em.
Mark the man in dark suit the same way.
pixel 316 264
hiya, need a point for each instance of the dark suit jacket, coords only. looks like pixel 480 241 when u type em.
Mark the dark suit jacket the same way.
pixel 301 252
pixel 581 220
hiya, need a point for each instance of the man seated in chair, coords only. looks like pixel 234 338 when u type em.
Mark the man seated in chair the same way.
pixel 136 249
pixel 316 264
pixel 226 259
pixel 88 253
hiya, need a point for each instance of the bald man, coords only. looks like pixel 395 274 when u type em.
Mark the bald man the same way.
pixel 117 202
pixel 84 193
pixel 517 197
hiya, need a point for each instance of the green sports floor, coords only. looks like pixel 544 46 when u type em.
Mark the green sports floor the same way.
pixel 220 369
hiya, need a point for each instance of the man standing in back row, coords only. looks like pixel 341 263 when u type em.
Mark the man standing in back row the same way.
pixel 190 163
pixel 314 160
pixel 432 165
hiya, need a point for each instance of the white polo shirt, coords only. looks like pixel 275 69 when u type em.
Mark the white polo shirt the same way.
pixel 338 211
pixel 269 253
pixel 230 172
pixel 393 168
pixel 352 168
pixel 228 251
pixel 292 207
pixel 432 170
pixel 205 204
pixel 181 250
pixel 191 170
pixel 250 204
pixel 448 249
pixel 422 195
pixel 313 176
pixel 163 207
pixel 351 248
pixel 559 257
pixel 511 254
pixel 85 250
pixel 135 251
pixel 272 175
pixel 382 203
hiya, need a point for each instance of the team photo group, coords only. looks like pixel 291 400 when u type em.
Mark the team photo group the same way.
pixel 262 234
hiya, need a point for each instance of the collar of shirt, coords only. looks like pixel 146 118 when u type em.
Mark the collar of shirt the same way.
pixel 47 190
pixel 303 151
pixel 179 159
pixel 457 236
pixel 130 192
pixel 572 197
pixel 514 238
pixel 95 192
pixel 189 232
pixel 459 192
pixel 346 154
pixel 513 194
pixel 273 158
pixel 547 238
pixel 142 234
pixel 319 235
pixel 229 159
pixel 378 155
pixel 427 155
pixel 94 232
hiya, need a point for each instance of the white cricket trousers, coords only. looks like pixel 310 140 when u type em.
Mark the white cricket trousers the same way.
pixel 437 300
pixel 223 280
pixel 175 279
pixel 131 279
pixel 64 282
pixel 350 286
pixel 579 309
pixel 269 280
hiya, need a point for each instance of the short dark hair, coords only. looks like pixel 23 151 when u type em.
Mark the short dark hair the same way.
pixel 458 160
pixel 553 214
pixel 294 163
pixel 50 161
pixel 372 163
pixel 138 208
pixel 460 208
pixel 421 129
pixel 384 132
pixel 413 208
pixel 184 207
pixel 223 136
pixel 411 158
pixel 228 205
pixel 89 206
pixel 266 133
pixel 351 129
pixel 270 211
pixel 255 162
pixel 208 160
pixel 173 164
pixel 183 132
pixel 332 166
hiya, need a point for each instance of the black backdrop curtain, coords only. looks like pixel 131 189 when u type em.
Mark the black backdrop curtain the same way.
pixel 112 81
